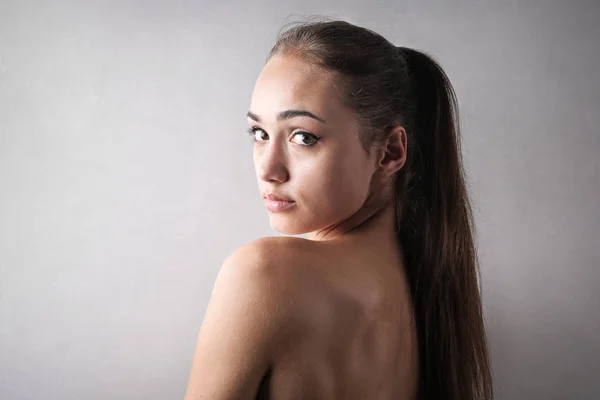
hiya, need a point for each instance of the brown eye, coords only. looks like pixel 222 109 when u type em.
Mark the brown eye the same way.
pixel 308 139
pixel 262 135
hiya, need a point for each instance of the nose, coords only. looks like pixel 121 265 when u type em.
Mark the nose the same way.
pixel 270 163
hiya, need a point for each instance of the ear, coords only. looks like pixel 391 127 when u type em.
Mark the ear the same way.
pixel 393 154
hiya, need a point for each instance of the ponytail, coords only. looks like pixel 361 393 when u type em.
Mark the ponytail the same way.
pixel 435 230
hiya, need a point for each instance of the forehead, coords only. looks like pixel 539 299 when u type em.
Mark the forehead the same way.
pixel 289 83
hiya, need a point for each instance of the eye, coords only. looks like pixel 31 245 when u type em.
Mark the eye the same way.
pixel 312 139
pixel 252 132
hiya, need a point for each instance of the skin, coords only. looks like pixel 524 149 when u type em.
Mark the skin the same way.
pixel 329 316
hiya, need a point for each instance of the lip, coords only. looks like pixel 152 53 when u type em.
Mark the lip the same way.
pixel 274 197
pixel 275 203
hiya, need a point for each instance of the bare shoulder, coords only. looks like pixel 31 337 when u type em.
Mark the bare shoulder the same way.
pixel 262 262
pixel 276 244
pixel 278 265
pixel 281 266
pixel 288 266
pixel 274 255
pixel 281 272
pixel 248 321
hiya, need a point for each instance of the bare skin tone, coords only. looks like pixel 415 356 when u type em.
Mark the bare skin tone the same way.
pixel 326 317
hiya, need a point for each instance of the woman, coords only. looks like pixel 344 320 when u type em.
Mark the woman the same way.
pixel 355 145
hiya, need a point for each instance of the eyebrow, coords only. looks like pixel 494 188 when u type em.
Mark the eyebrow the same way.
pixel 287 114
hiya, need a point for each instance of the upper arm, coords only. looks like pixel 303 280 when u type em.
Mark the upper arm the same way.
pixel 243 322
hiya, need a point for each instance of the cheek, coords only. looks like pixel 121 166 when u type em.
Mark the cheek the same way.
pixel 336 186
pixel 349 187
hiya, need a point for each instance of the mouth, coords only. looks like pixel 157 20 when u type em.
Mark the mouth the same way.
pixel 275 197
pixel 277 205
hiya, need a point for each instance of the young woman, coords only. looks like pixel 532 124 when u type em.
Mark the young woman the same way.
pixel 356 145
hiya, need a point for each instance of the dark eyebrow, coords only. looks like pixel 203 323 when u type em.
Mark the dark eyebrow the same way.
pixel 288 114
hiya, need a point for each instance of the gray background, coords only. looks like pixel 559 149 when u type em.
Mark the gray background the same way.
pixel 126 177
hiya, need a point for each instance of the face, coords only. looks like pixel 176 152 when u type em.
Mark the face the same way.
pixel 316 162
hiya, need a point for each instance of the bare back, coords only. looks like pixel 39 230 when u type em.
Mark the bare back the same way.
pixel 355 337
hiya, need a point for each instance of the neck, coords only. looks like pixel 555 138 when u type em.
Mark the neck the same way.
pixel 374 221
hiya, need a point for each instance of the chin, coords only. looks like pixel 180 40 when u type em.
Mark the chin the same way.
pixel 287 224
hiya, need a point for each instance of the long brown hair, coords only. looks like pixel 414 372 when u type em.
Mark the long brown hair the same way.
pixel 386 86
